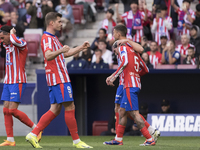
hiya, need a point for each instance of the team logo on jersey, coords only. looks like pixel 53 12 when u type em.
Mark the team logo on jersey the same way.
pixel 137 21
pixel 122 52
pixel 46 44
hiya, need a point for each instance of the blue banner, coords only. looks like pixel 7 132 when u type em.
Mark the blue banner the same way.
pixel 176 124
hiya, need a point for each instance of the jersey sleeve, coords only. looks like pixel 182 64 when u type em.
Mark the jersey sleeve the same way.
pixel 143 67
pixel 47 44
pixel 20 43
pixel 124 59
pixel 176 55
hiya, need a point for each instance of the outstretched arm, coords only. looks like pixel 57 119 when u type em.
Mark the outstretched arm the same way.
pixel 174 5
pixel 16 41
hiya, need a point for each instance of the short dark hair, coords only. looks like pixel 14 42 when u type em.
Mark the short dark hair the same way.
pixel 192 48
pixel 104 30
pixel 110 11
pixel 51 16
pixel 29 2
pixel 188 1
pixel 122 29
pixel 104 41
pixel 133 2
pixel 163 7
pixel 154 42
pixel 98 50
pixel 6 29
pixel 198 7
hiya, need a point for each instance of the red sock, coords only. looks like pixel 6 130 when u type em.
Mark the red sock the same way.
pixel 8 121
pixel 21 116
pixel 70 121
pixel 117 121
pixel 145 132
pixel 145 122
pixel 120 130
pixel 44 122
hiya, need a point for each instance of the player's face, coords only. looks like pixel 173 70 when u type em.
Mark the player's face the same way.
pixel 116 35
pixel 153 46
pixel 184 39
pixel 57 25
pixel 5 38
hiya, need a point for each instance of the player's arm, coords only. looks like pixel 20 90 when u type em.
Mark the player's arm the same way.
pixel 50 54
pixel 144 69
pixel 77 49
pixel 190 17
pixel 137 47
pixel 124 58
pixel 145 11
pixel 174 5
pixel 16 41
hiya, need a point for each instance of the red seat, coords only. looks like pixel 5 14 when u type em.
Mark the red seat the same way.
pixel 166 67
pixel 71 2
pixel 99 3
pixel 33 43
pixel 99 126
pixel 77 13
pixel 186 66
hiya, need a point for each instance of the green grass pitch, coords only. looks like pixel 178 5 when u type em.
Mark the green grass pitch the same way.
pixel 130 143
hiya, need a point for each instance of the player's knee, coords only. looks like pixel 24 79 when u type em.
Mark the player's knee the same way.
pixel 122 112
pixel 116 109
pixel 69 106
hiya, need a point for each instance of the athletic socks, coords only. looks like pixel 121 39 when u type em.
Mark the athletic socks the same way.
pixel 117 121
pixel 44 122
pixel 8 121
pixel 120 132
pixel 21 116
pixel 146 134
pixel 71 124
pixel 145 122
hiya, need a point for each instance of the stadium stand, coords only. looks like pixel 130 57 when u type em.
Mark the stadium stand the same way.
pixel 2 64
pixel 166 67
pixel 99 126
pixel 78 13
pixel 186 66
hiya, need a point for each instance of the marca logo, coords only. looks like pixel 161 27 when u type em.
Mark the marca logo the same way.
pixel 176 123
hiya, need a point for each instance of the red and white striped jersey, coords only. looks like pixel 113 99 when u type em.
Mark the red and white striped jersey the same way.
pixel 139 32
pixel 144 23
pixel 132 67
pixel 183 50
pixel 155 59
pixel 16 54
pixel 161 28
pixel 184 29
pixel 56 70
pixel 22 5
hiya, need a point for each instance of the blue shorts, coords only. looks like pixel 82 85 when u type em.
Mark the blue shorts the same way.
pixel 130 99
pixel 61 93
pixel 119 94
pixel 13 92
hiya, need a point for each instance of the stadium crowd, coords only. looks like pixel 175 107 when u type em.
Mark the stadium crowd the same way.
pixel 169 33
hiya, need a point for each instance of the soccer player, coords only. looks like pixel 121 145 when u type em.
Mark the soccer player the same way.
pixel 60 90
pixel 120 34
pixel 14 82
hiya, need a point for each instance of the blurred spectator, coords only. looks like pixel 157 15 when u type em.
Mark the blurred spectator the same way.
pixel 50 4
pixel 88 8
pixel 21 9
pixel 77 63
pixel 126 4
pixel 102 36
pixel 18 25
pixel 182 48
pixel 5 20
pixel 133 20
pixel 163 41
pixel 186 17
pixel 146 24
pixel 165 107
pixel 144 44
pixel 109 23
pixel 170 55
pixel 6 6
pixel 145 57
pixel 99 63
pixel 154 56
pixel 111 126
pixel 162 24
pixel 27 18
pixel 197 18
pixel 190 58
pixel 143 109
pixel 38 11
pixel 195 39
pixel 106 54
pixel 67 17
pixel 55 3
pixel 86 54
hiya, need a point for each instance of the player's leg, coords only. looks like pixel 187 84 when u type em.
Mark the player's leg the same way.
pixel 117 107
pixel 70 119
pixel 8 120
